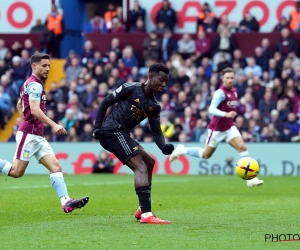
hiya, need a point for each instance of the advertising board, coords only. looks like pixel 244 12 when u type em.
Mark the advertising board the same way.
pixel 20 16
pixel 267 12
pixel 77 158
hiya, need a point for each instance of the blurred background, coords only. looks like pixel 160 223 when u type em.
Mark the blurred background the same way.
pixel 96 46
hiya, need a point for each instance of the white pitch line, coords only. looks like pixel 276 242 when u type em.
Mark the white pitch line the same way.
pixel 88 184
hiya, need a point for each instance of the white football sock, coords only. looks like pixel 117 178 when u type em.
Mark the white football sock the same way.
pixel 244 154
pixel 64 199
pixel 145 215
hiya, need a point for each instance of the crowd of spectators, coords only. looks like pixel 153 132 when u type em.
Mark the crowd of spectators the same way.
pixel 268 82
pixel 104 164
pixel 14 69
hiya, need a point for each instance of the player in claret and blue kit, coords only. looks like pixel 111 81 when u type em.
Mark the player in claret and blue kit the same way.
pixel 223 108
pixel 136 101
pixel 30 136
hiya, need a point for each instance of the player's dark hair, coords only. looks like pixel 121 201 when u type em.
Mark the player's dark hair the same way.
pixel 38 57
pixel 228 70
pixel 157 67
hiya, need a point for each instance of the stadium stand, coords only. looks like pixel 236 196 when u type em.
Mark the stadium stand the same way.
pixel 267 79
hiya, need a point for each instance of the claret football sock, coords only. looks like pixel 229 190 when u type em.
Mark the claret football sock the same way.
pixel 144 198
pixel 244 154
pixel 59 185
pixel 5 166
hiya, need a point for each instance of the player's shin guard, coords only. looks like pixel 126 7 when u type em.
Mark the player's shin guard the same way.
pixel 59 185
pixel 5 166
pixel 144 198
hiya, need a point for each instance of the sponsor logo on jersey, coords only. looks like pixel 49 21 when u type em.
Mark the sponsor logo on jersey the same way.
pixel 137 114
pixel 232 104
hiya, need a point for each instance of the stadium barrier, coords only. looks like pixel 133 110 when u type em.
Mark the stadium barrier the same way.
pixel 241 39
pixel 279 159
pixel 10 39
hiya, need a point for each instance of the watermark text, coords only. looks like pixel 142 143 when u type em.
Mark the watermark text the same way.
pixel 282 237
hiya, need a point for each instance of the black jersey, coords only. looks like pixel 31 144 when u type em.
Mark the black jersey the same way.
pixel 133 107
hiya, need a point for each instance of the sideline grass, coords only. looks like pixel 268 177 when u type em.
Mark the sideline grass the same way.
pixel 206 212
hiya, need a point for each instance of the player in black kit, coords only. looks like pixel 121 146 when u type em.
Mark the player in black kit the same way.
pixel 136 101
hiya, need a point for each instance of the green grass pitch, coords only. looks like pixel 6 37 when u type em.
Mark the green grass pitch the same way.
pixel 207 212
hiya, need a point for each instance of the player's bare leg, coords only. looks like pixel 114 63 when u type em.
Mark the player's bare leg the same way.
pixel 150 162
pixel 58 183
pixel 239 144
pixel 15 170
pixel 198 152
pixel 141 183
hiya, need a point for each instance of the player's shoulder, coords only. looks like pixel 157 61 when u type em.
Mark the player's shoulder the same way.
pixel 132 84
pixel 219 92
pixel 33 78
pixel 234 89
pixel 132 87
pixel 34 84
pixel 34 87
pixel 154 105
pixel 156 102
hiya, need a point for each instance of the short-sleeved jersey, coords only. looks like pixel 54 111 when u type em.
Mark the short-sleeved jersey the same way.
pixel 229 103
pixel 32 89
pixel 133 107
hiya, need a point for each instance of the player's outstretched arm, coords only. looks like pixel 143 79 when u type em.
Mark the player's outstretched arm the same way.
pixel 219 96
pixel 119 94
pixel 105 104
pixel 158 136
pixel 39 114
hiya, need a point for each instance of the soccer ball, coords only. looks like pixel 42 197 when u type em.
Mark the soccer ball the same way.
pixel 247 168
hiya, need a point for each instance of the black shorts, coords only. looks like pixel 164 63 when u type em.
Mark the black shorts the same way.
pixel 120 144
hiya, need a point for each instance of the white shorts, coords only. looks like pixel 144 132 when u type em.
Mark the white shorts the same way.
pixel 215 137
pixel 29 145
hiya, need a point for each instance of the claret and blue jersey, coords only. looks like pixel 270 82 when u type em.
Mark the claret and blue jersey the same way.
pixel 32 89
